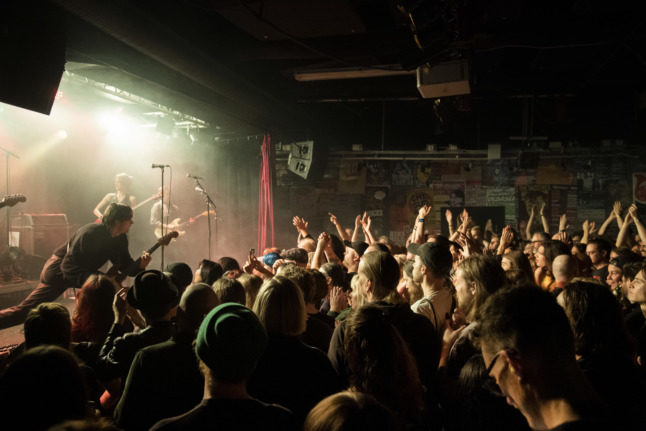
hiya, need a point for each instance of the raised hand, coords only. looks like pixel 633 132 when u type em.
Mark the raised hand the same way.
pixel 449 216
pixel 323 241
pixel 506 237
pixel 120 305
pixel 251 264
pixel 333 219
pixel 357 221
pixel 364 218
pixel 632 210
pixel 424 211
pixel 541 210
pixel 586 226
pixel 338 299
pixel 300 224
pixel 593 227
pixel 464 215
pixel 616 208
pixel 563 222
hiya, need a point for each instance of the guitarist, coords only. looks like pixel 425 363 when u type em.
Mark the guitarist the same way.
pixel 72 263
pixel 122 183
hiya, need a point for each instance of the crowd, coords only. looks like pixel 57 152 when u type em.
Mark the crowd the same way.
pixel 479 330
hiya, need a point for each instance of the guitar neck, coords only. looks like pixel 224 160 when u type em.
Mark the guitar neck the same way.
pixel 144 202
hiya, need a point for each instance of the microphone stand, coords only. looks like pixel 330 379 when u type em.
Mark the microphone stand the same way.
pixel 207 199
pixel 163 227
pixel 8 154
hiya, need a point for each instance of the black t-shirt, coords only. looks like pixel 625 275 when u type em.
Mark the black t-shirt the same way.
pixel 224 414
pixel 600 274
pixel 583 425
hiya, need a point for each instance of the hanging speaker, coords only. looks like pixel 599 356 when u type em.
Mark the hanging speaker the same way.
pixel 32 54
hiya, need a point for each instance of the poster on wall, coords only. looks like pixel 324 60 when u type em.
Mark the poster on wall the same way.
pixel 503 197
pixel 639 188
pixel 352 177
pixel 402 174
pixel 449 193
pixel 497 173
pixel 554 173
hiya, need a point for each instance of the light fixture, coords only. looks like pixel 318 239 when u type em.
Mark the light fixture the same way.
pixel 351 73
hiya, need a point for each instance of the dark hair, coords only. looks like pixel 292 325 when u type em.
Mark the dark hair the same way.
pixel 630 270
pixel 337 246
pixel 181 274
pixel 93 315
pixel 335 272
pixel 210 271
pixel 602 245
pixel 48 323
pixel 596 320
pixel 229 264
pixel 408 268
pixel 116 213
pixel 319 288
pixel 528 321
pixel 521 270
pixel 544 235
pixel 41 388
pixel 380 362
pixel 229 290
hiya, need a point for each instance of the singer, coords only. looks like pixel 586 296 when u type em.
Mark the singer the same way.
pixel 89 249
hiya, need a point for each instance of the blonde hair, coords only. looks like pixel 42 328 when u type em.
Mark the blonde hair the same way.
pixel 281 308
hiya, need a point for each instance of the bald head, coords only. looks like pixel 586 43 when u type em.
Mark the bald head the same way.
pixel 196 302
pixel 564 268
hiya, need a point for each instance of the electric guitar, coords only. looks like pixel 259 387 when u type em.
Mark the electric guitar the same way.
pixel 11 200
pixel 177 225
pixel 120 275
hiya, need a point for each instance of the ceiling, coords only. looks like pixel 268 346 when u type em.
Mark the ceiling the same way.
pixel 563 69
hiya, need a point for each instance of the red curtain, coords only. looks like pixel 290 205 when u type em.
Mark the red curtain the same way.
pixel 265 198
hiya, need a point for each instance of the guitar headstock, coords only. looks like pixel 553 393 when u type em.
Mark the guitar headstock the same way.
pixel 11 200
pixel 166 239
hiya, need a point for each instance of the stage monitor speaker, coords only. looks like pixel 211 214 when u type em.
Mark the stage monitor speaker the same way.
pixel 445 79
pixel 39 234
pixel 32 53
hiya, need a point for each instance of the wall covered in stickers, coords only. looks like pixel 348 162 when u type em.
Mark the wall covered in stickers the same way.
pixel 391 191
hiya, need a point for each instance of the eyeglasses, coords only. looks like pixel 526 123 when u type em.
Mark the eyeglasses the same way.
pixel 493 362
pixel 490 382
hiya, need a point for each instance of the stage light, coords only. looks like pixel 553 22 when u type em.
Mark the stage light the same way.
pixel 62 134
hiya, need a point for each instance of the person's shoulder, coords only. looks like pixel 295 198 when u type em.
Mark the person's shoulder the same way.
pixel 280 417
pixel 158 349
pixel 583 425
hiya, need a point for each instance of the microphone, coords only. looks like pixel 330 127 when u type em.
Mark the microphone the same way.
pixel 159 166
pixel 195 177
